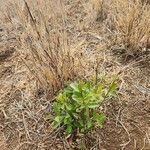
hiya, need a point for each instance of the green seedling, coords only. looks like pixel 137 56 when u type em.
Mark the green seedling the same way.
pixel 76 106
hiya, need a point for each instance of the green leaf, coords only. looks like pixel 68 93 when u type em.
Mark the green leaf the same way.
pixel 61 97
pixel 58 118
pixel 75 105
pixel 69 129
pixel 75 87
pixel 111 90
pixel 87 87
pixel 69 107
pixel 76 98
pixel 99 118
pixel 93 106
pixel 67 119
pixel 56 108
pixel 89 123
pixel 78 110
pixel 68 91
pixel 81 124
pixel 57 121
pixel 99 88
pixel 75 115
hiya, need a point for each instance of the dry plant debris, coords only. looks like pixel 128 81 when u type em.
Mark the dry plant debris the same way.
pixel 46 43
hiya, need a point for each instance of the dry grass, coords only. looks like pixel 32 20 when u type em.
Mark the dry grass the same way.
pixel 96 10
pixel 130 21
pixel 128 24
pixel 43 45
pixel 53 45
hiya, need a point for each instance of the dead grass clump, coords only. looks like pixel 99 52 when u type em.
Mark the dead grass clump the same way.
pixel 129 24
pixel 97 10
pixel 44 46
pixel 145 1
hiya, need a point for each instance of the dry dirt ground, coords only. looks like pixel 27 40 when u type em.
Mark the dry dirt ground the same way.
pixel 23 107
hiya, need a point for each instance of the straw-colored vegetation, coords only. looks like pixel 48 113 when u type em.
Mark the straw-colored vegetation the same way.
pixel 44 44
pixel 130 22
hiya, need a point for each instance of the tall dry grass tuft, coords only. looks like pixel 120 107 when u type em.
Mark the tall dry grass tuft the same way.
pixel 44 45
pixel 130 22
pixel 96 10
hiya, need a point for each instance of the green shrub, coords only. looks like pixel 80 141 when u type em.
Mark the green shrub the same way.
pixel 75 106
